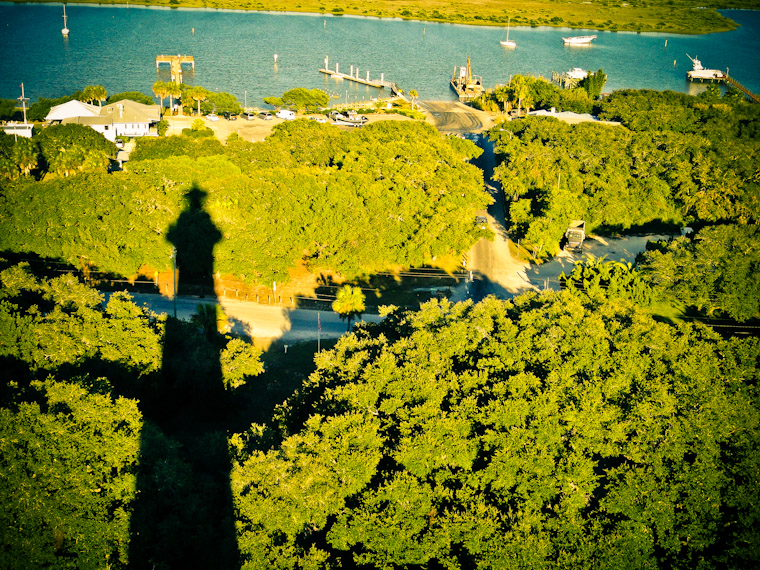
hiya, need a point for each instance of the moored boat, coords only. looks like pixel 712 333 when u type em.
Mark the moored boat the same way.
pixel 699 73
pixel 65 30
pixel 466 85
pixel 511 44
pixel 578 40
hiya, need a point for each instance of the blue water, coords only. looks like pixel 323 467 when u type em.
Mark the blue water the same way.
pixel 234 51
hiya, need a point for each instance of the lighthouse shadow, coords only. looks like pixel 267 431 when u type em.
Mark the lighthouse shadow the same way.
pixel 183 513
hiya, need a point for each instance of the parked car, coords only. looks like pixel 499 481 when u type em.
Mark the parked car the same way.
pixel 119 143
pixel 249 116
pixel 266 115
pixel 212 117
pixel 481 222
pixel 286 114
pixel 230 116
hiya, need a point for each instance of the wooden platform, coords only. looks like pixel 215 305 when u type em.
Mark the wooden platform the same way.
pixel 176 62
pixel 339 75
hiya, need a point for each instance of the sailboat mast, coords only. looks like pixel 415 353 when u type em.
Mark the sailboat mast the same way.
pixel 65 30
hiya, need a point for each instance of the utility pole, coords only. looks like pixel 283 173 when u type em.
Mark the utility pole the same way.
pixel 174 279
pixel 23 101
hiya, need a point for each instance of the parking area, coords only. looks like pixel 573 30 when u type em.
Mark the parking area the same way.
pixel 257 129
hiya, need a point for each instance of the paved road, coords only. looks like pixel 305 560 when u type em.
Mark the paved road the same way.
pixel 456 117
pixel 257 321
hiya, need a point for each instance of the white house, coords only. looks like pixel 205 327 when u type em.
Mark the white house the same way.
pixel 132 119
pixel 125 118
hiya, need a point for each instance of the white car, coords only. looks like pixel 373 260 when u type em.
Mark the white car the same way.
pixel 212 117
pixel 285 114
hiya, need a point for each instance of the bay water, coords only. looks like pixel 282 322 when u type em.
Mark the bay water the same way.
pixel 234 51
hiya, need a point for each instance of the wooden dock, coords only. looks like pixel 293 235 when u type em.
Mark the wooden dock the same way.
pixel 354 76
pixel 176 62
pixel 733 83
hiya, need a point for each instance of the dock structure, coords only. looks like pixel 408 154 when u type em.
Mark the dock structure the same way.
pixel 354 76
pixel 734 83
pixel 176 62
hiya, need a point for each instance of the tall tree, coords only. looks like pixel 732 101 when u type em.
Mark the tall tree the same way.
pixel 161 90
pixel 100 94
pixel 173 90
pixel 349 303
pixel 520 91
pixel 198 94
pixel 413 94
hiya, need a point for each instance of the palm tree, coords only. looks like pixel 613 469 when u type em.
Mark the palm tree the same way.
pixel 349 303
pixel 198 94
pixel 161 90
pixel 173 90
pixel 88 95
pixel 99 94
pixel 413 94
pixel 24 154
pixel 519 91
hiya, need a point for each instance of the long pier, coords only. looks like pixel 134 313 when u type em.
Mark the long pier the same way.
pixel 353 75
pixel 734 83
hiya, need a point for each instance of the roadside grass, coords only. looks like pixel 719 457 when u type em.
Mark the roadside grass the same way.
pixel 671 16
pixel 671 312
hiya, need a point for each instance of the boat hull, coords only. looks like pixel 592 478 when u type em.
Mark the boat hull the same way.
pixel 579 40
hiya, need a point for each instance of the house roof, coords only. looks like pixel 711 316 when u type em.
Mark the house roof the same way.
pixel 72 109
pixel 89 121
pixel 570 117
pixel 128 111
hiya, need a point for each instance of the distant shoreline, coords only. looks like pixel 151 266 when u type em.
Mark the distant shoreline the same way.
pixel 657 16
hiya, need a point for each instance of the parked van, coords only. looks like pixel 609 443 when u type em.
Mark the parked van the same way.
pixel 285 114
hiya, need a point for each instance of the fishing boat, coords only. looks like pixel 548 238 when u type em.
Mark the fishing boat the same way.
pixel 511 44
pixel 466 85
pixel 65 30
pixel 699 73
pixel 578 40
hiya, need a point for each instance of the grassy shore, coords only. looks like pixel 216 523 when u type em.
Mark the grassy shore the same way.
pixel 668 16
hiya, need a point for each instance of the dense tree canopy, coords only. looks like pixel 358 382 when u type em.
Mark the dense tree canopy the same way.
pixel 300 99
pixel 683 159
pixel 544 432
pixel 72 148
pixel 715 271
pixel 355 202
pixel 90 475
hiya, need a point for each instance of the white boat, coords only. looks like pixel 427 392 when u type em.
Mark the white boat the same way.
pixel 65 30
pixel 699 73
pixel 578 40
pixel 348 119
pixel 511 44
pixel 577 73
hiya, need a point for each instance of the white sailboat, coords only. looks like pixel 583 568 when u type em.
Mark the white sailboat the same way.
pixel 511 44
pixel 65 30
